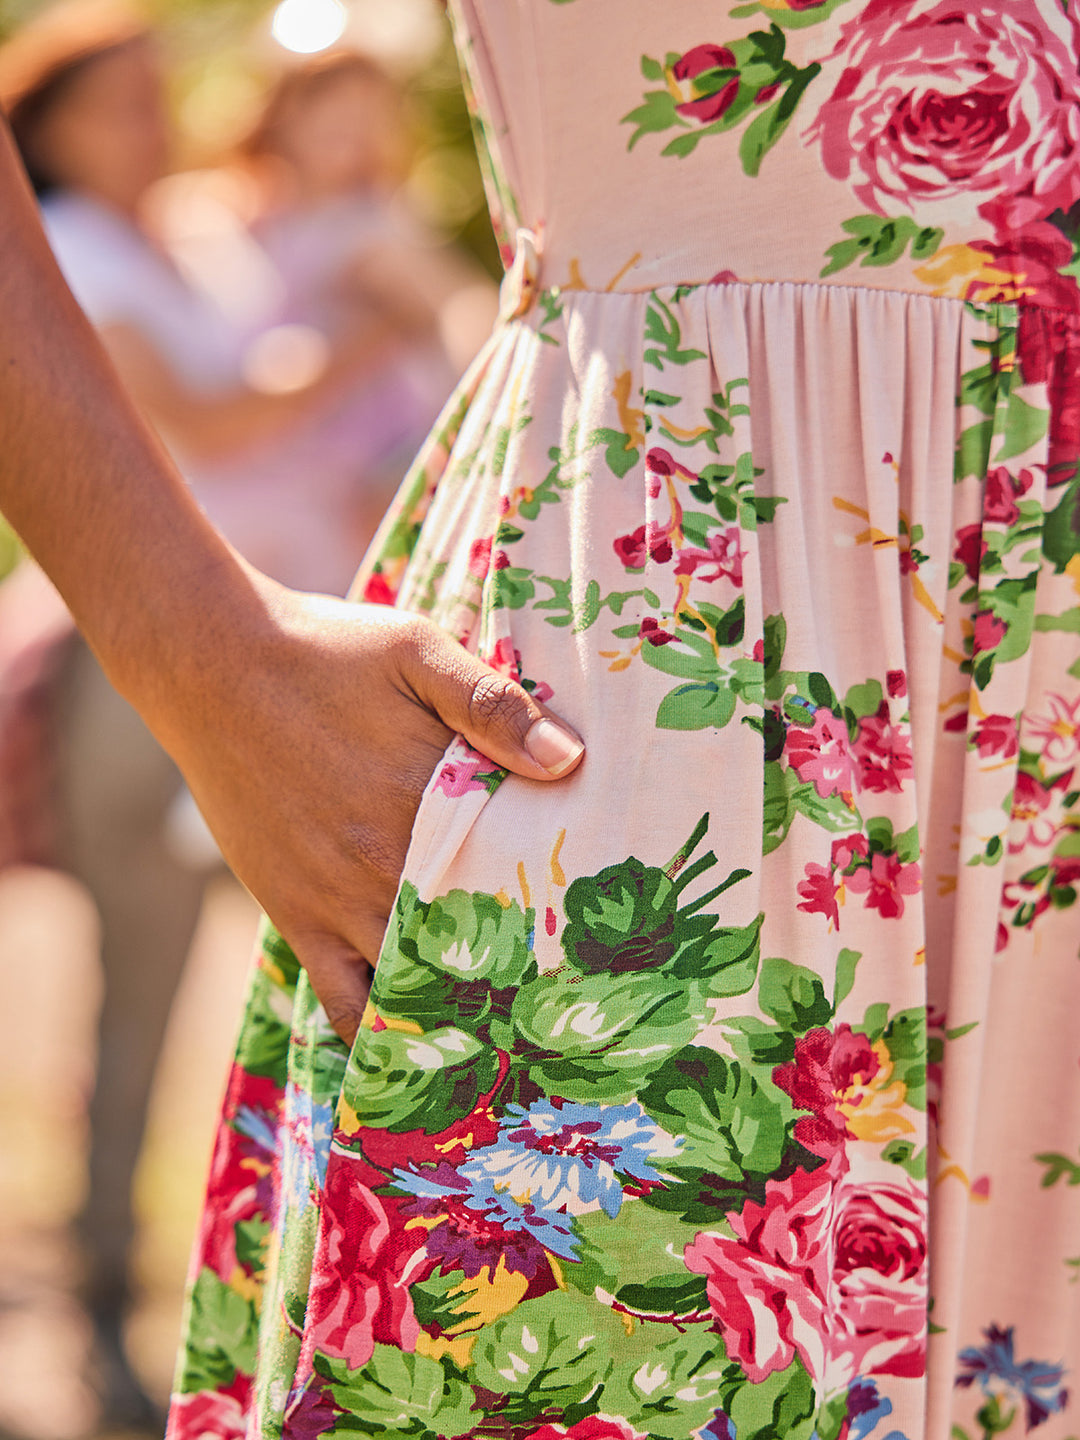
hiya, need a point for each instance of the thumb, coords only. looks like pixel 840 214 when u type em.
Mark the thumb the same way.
pixel 495 714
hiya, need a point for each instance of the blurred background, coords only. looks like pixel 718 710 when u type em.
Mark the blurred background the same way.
pixel 274 216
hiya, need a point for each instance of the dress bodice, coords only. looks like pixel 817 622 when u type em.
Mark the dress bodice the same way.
pixel 898 144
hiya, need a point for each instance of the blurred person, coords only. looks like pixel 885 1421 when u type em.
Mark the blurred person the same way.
pixel 314 228
pixel 83 89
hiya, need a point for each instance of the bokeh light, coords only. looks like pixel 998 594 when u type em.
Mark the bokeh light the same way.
pixel 307 26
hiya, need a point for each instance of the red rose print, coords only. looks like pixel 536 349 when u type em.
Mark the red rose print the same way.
pixel 825 1067
pixel 595 1427
pixel 970 549
pixel 696 62
pixel 988 631
pixel 651 631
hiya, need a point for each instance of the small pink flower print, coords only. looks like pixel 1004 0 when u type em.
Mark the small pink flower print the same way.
pixel 847 848
pixel 960 108
pixel 722 551
pixel 661 462
pixel 970 549
pixel 896 684
pixel 1031 800
pixel 834 1272
pixel 500 560
pixel 883 753
pixel 988 632
pixel 652 632
pixel 504 658
pixel 995 735
pixel 818 890
pixel 696 62
pixel 885 882
pixel 820 753
pixel 480 557
pixel 458 777
pixel 1056 732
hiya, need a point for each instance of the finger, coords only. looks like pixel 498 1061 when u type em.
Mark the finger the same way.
pixel 341 979
pixel 496 715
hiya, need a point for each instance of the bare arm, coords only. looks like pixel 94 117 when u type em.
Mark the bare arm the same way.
pixel 307 727
pixel 220 427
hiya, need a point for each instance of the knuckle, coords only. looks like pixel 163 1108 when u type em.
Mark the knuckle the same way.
pixel 496 704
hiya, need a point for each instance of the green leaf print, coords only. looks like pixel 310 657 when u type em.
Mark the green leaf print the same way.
pixel 227 1325
pixel 621 919
pixel 664 334
pixel 1061 531
pixel 1025 426
pixel 881 240
pixel 707 706
pixel 1058 1167
pixel 418 1082
pixel 792 995
pixel 540 1359
pixel 730 1125
pixel 399 1393
pixel 670 1391
pixel 781 1407
pixel 600 1037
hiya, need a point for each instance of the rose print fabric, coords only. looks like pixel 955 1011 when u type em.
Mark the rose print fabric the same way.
pixel 729 1089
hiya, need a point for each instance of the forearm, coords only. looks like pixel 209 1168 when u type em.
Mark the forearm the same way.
pixel 82 479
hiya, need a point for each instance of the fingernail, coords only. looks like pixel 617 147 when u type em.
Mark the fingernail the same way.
pixel 552 747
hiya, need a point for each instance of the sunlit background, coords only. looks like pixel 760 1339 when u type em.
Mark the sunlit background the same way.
pixel 220 55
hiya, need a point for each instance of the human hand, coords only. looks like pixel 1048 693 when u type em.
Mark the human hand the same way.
pixel 309 737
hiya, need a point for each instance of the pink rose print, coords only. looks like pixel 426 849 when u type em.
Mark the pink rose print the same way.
pixel 696 62
pixel 883 753
pixel 723 552
pixel 936 105
pixel 885 882
pixel 833 1273
pixel 766 1286
pixel 896 683
pixel 820 753
pixel 457 777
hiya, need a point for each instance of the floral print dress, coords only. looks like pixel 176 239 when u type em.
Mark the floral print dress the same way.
pixel 728 1089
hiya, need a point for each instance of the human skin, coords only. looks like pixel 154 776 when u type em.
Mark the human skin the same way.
pixel 306 727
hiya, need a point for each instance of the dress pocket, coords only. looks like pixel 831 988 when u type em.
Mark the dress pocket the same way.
pixel 459 788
